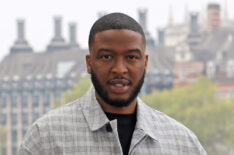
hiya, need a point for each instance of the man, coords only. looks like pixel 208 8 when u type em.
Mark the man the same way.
pixel 110 119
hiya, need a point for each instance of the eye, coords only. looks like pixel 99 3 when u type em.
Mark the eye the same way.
pixel 132 57
pixel 106 57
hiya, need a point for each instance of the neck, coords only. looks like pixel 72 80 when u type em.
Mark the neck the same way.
pixel 117 110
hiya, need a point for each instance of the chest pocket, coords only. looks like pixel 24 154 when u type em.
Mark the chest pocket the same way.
pixel 147 146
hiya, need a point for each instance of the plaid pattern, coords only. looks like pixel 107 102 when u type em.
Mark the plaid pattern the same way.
pixel 80 128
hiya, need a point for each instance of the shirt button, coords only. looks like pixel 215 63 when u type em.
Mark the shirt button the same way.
pixel 108 128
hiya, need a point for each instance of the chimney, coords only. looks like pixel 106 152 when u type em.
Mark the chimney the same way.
pixel 72 35
pixel 142 14
pixel 161 35
pixel 170 17
pixel 58 29
pixel 57 43
pixel 142 18
pixel 20 45
pixel 194 27
pixel 213 16
pixel 20 25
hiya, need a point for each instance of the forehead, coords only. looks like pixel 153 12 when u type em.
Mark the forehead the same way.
pixel 122 37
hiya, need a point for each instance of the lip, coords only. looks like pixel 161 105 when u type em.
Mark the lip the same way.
pixel 119 86
pixel 119 81
pixel 118 90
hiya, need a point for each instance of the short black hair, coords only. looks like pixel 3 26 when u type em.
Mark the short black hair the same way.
pixel 115 21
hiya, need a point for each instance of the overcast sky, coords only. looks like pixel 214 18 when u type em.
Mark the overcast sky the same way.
pixel 38 15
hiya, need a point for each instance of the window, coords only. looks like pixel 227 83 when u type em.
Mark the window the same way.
pixel 14 99
pixel 5 85
pixel 35 116
pixel 211 69
pixel 64 67
pixel 3 118
pixel 13 119
pixel 230 69
pixel 24 131
pixel 47 83
pixel 14 136
pixel 46 97
pixel 24 118
pixel 3 100
pixel 46 101
pixel 24 99
pixel 14 148
pixel 4 150
pixel 35 98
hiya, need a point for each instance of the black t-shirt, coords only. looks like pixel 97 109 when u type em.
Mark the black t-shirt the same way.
pixel 126 124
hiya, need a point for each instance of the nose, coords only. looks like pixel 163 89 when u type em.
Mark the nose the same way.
pixel 119 67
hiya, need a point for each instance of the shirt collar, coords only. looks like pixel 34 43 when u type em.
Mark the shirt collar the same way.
pixel 96 117
pixel 145 120
pixel 93 111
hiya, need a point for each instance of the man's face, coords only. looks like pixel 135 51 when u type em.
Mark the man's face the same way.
pixel 117 64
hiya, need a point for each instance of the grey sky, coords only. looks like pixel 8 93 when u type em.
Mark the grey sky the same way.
pixel 39 14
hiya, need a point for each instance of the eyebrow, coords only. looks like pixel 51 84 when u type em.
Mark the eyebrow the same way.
pixel 129 51
pixel 104 50
pixel 135 51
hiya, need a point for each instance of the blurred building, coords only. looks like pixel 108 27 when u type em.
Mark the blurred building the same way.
pixel 207 50
pixel 159 74
pixel 142 18
pixel 213 16
pixel 216 53
pixel 31 82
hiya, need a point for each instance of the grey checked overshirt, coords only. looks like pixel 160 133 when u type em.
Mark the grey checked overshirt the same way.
pixel 80 128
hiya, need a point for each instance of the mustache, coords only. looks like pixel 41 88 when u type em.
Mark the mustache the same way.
pixel 122 80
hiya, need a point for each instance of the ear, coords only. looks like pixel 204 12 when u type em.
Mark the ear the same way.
pixel 146 61
pixel 88 63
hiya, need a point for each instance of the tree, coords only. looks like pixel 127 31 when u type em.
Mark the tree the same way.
pixel 78 90
pixel 197 107
pixel 3 132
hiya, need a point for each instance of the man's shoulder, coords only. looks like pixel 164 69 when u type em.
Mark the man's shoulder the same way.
pixel 64 114
pixel 169 125
pixel 172 133
pixel 57 123
pixel 67 112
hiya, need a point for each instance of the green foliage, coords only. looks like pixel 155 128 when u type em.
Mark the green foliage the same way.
pixel 197 107
pixel 78 90
pixel 3 131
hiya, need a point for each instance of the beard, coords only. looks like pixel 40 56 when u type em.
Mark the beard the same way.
pixel 115 102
